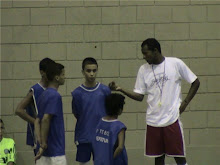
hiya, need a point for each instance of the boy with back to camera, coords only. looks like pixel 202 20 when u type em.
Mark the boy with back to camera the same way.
pixel 88 106
pixel 108 144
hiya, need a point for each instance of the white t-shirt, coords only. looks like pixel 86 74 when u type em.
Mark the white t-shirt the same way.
pixel 162 84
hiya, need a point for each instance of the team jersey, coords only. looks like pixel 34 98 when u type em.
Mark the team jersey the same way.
pixel 105 142
pixel 162 84
pixel 88 106
pixel 50 102
pixel 32 110
pixel 7 151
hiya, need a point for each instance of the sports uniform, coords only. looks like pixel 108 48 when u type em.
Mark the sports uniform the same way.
pixel 88 106
pixel 32 110
pixel 7 151
pixel 105 143
pixel 50 102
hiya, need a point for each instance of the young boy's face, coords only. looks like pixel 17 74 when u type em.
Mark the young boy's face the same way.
pixel 90 72
pixel 62 77
pixel 2 129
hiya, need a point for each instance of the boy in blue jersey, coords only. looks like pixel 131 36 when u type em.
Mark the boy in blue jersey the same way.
pixel 27 108
pixel 52 134
pixel 108 144
pixel 88 106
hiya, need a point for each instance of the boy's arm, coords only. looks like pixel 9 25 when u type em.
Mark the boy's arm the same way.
pixel 45 125
pixel 192 91
pixel 37 130
pixel 74 108
pixel 20 110
pixel 131 94
pixel 121 142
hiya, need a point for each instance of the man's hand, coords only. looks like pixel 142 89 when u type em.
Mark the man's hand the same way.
pixel 114 87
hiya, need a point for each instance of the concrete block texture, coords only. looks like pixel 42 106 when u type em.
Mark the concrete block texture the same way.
pixel 204 31
pixel 112 32
pixel 66 3
pixel 118 15
pixel 95 33
pixel 83 15
pixel 65 33
pixel 30 4
pixel 154 14
pixel 15 52
pixel 55 51
pixel 30 34
pixel 174 31
pixel 17 16
pixel 47 16
pixel 189 14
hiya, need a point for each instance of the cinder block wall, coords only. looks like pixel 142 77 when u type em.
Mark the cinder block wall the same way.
pixel 111 32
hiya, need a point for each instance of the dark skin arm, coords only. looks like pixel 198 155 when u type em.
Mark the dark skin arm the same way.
pixel 44 131
pixel 121 143
pixel 131 94
pixel 20 110
pixel 192 91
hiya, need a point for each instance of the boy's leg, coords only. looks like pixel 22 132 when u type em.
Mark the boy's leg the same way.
pixel 160 160
pixel 174 142
pixel 87 163
pixel 180 160
pixel 84 151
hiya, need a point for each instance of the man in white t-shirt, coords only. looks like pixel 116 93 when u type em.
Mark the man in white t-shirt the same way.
pixel 160 79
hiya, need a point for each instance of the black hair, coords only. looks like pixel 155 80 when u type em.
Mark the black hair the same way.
pixel 53 70
pixel 152 43
pixel 113 103
pixel 89 60
pixel 44 63
pixel 1 121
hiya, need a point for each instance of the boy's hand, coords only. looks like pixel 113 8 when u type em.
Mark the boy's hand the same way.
pixel 114 87
pixel 39 154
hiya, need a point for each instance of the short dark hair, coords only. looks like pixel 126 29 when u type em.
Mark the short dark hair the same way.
pixel 113 103
pixel 89 60
pixel 44 63
pixel 1 121
pixel 152 43
pixel 53 70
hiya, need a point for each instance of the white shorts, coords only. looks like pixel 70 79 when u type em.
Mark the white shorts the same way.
pixel 57 160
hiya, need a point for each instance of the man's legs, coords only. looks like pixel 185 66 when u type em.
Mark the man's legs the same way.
pixel 174 142
pixel 160 160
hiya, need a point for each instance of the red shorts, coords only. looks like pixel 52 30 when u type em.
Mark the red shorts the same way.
pixel 167 140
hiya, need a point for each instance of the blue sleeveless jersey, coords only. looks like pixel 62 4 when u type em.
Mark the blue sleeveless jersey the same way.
pixel 50 102
pixel 32 110
pixel 106 141
pixel 88 106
